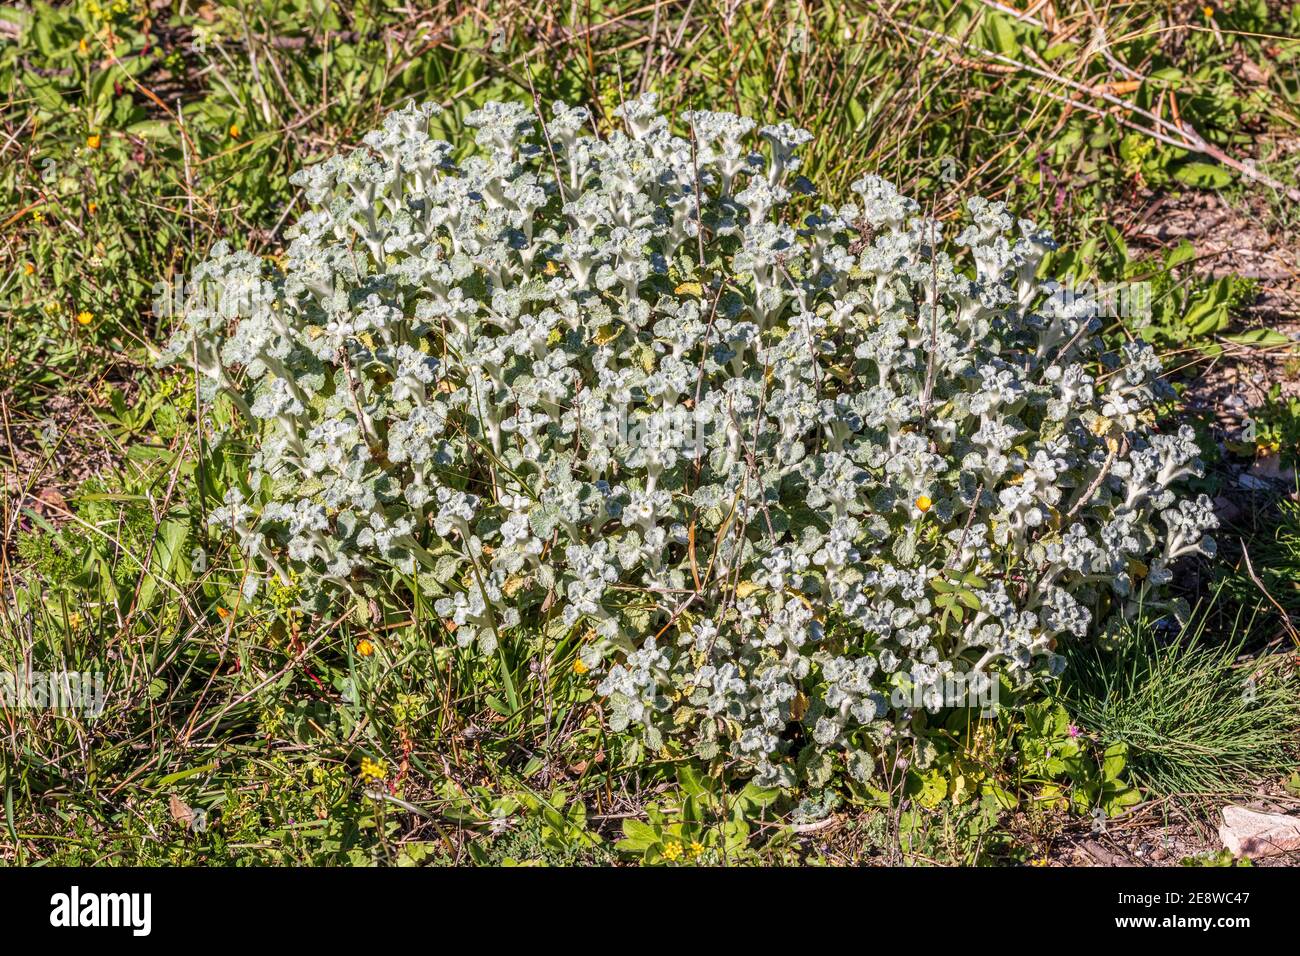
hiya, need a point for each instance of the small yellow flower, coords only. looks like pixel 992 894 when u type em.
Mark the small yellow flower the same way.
pixel 1208 11
pixel 697 849
pixel 372 771
pixel 923 503
pixel 28 269
pixel 93 140
pixel 234 131
pixel 84 318
pixel 83 47
pixel 579 667
pixel 92 207
pixel 672 851
pixel 365 648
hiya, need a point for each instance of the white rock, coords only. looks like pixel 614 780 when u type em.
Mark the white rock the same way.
pixel 1254 833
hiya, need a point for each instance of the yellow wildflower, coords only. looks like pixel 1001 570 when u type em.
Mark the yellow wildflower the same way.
pixel 365 648
pixel 923 503
pixel 84 318
pixel 234 131
pixel 673 851
pixel 579 667
pixel 372 771
pixel 93 140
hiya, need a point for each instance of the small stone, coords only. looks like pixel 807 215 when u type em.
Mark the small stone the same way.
pixel 1254 833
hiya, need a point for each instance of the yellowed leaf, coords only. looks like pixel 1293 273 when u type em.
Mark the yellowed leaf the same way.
pixel 798 706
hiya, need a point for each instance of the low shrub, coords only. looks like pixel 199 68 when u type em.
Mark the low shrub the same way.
pixel 788 477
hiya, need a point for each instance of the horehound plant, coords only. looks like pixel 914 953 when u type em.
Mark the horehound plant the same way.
pixel 607 386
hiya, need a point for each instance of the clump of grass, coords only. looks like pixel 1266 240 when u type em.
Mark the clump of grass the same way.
pixel 1200 718
pixel 1275 560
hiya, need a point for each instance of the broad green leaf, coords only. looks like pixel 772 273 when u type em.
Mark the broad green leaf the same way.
pixel 1203 175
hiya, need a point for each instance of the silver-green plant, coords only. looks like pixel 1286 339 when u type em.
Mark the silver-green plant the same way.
pixel 772 471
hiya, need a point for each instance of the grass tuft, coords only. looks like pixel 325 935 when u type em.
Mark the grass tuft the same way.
pixel 1200 718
